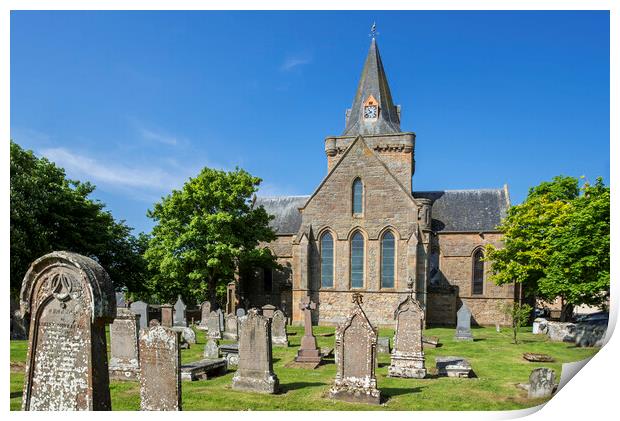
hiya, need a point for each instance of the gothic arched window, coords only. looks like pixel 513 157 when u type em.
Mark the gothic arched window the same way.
pixel 478 273
pixel 358 197
pixel 387 260
pixel 327 260
pixel 357 260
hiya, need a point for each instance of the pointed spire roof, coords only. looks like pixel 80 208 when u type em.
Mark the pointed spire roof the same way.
pixel 373 82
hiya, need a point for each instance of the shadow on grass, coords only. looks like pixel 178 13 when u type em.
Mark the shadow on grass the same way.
pixel 287 387
pixel 390 392
pixel 16 395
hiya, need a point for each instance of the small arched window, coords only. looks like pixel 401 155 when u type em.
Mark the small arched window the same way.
pixel 478 273
pixel 357 260
pixel 387 260
pixel 327 260
pixel 358 197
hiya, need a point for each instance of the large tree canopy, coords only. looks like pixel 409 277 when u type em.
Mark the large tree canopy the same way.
pixel 204 232
pixel 50 212
pixel 557 243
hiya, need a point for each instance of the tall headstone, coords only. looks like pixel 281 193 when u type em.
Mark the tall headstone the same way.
pixel 179 313
pixel 167 315
pixel 231 327
pixel 308 352
pixel 268 310
pixel 220 317
pixel 231 297
pixel 70 299
pixel 356 352
pixel 124 362
pixel 278 329
pixel 205 309
pixel 141 308
pixel 213 326
pixel 160 369
pixel 255 370
pixel 463 324
pixel 407 358
pixel 542 383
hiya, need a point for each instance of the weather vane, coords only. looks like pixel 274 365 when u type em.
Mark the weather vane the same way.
pixel 373 30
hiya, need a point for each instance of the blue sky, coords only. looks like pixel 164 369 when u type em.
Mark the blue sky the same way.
pixel 137 102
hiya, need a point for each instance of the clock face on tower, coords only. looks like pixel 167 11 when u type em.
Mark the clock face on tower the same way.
pixel 370 111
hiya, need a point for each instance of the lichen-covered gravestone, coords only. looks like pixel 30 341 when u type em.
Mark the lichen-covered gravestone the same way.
pixel 141 308
pixel 463 324
pixel 124 364
pixel 407 358
pixel 213 326
pixel 356 352
pixel 70 299
pixel 268 310
pixel 255 371
pixel 231 328
pixel 212 350
pixel 179 313
pixel 160 369
pixel 205 309
pixel 167 315
pixel 542 383
pixel 278 329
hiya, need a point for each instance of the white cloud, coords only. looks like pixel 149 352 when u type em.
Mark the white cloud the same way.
pixel 292 62
pixel 157 136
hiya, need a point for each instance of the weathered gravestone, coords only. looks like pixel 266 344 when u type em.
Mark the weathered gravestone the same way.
pixel 179 313
pixel 188 335
pixel 383 345
pixel 356 352
pixel 231 327
pixel 542 383
pixel 255 370
pixel 167 315
pixel 160 369
pixel 268 310
pixel 141 308
pixel 463 324
pixel 212 349
pixel 308 351
pixel 240 312
pixel 120 300
pixel 213 326
pixel 220 318
pixel 278 329
pixel 453 367
pixel 70 299
pixel 408 356
pixel 124 363
pixel 205 309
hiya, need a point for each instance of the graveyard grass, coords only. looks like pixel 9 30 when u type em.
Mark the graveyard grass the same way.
pixel 497 363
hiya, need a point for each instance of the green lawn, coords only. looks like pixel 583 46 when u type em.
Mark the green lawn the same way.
pixel 495 360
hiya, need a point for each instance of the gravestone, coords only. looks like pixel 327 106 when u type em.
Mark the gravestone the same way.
pixel 240 312
pixel 230 352
pixel 453 367
pixel 278 329
pixel 124 363
pixel 255 370
pixel 212 349
pixel 220 318
pixel 120 300
pixel 141 308
pixel 308 351
pixel 70 299
pixel 213 326
pixel 542 383
pixel 179 313
pixel 231 327
pixel 539 326
pixel 188 335
pixel 356 352
pixel 19 327
pixel 160 369
pixel 167 315
pixel 268 310
pixel 463 324
pixel 205 309
pixel 407 359
pixel 383 345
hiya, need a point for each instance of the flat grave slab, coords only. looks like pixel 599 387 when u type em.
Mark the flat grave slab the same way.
pixel 203 369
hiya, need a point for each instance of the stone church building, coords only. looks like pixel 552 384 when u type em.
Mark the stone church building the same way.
pixel 365 229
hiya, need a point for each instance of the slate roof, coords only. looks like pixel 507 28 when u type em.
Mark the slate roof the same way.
pixel 285 209
pixel 467 210
pixel 373 82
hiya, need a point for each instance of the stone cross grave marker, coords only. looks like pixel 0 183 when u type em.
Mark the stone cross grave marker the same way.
pixel 308 351
pixel 124 362
pixel 356 352
pixel 167 315
pixel 542 383
pixel 70 299
pixel 213 326
pixel 255 370
pixel 160 369
pixel 463 324
pixel 407 359
pixel 179 313
pixel 278 329
pixel 141 308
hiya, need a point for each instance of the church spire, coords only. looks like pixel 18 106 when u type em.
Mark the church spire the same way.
pixel 373 111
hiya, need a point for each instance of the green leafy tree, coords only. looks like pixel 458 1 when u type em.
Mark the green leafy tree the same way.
pixel 50 212
pixel 519 315
pixel 556 244
pixel 204 233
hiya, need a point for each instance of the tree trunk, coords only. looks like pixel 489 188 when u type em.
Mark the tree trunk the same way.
pixel 212 294
pixel 567 311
